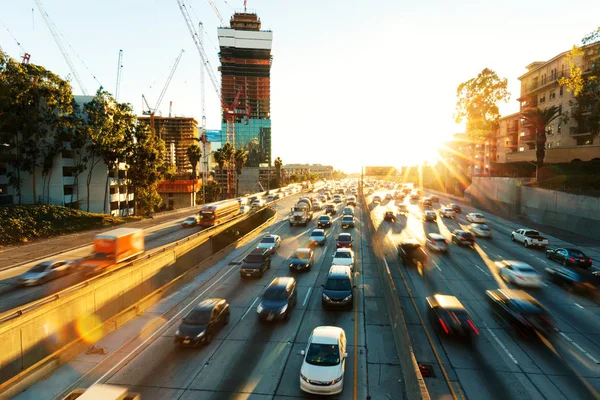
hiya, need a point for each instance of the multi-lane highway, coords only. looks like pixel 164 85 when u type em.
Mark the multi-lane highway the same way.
pixel 501 363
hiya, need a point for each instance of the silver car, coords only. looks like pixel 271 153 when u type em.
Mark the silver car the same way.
pixel 270 242
pixel 45 272
pixel 436 242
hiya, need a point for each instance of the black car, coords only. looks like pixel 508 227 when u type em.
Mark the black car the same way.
pixel 344 240
pixel 463 238
pixel 324 221
pixel 303 259
pixel 337 290
pixel 411 251
pixel 389 216
pixel 450 317
pixel 455 207
pixel 520 310
pixel 569 257
pixel 202 322
pixel 578 280
pixel 347 221
pixel 256 263
pixel 330 209
pixel 278 300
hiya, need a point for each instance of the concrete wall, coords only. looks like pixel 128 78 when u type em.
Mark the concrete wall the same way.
pixel 500 196
pixel 558 154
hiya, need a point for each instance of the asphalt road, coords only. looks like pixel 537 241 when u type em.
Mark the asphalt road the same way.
pixel 500 364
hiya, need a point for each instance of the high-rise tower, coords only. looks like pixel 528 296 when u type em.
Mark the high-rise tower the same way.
pixel 246 68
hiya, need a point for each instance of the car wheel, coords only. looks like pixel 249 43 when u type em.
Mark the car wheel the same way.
pixel 207 339
pixel 548 256
pixel 260 275
pixel 564 263
pixel 526 244
pixel 226 320
pixel 512 237
pixel 288 315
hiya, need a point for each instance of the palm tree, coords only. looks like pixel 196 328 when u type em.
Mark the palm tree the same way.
pixel 220 159
pixel 278 163
pixel 538 122
pixel 228 152
pixel 240 160
pixel 194 154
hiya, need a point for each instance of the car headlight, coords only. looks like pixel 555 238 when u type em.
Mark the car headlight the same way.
pixel 326 297
pixel 177 332
pixel 305 379
pixel 259 309
pixel 348 298
pixel 283 309
pixel 333 382
pixel 200 335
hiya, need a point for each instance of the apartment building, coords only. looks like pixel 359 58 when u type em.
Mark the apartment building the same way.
pixel 468 156
pixel 507 136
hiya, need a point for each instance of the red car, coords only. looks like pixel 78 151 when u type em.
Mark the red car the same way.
pixel 344 240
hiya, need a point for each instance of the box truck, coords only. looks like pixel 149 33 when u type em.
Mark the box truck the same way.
pixel 113 247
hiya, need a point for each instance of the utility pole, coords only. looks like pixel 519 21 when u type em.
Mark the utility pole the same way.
pixel 203 114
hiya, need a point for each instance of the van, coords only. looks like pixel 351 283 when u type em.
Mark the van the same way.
pixel 338 288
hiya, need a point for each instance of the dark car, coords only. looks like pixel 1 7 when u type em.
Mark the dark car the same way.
pixel 303 259
pixel 330 209
pixel 569 257
pixel 578 280
pixel 389 216
pixel 411 251
pixel 429 215
pixel 255 263
pixel 455 207
pixel 450 317
pixel 337 290
pixel 324 221
pixel 344 240
pixel 463 238
pixel 426 203
pixel 520 310
pixel 347 221
pixel 376 199
pixel 278 300
pixel 434 199
pixel 202 322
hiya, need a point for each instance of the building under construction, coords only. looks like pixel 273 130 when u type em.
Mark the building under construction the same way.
pixel 246 70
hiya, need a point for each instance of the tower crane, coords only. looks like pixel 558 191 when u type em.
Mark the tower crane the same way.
pixel 216 10
pixel 119 73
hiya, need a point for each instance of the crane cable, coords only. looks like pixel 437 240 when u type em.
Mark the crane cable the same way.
pixel 13 36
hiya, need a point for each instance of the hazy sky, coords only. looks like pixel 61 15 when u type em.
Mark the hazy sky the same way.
pixel 363 82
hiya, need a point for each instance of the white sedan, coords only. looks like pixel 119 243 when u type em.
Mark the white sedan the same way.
pixel 344 256
pixel 519 273
pixel 322 370
pixel 447 212
pixel 477 218
pixel 480 230
pixel 271 242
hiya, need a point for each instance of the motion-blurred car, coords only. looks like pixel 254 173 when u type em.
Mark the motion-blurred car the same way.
pixel 303 259
pixel 426 203
pixel 376 199
pixel 278 300
pixel 569 257
pixel 434 199
pixel 449 316
pixel 330 209
pixel 429 215
pixel 46 271
pixel 202 322
pixel 317 237
pixel 324 221
pixel 244 210
pixel 480 230
pixel 348 211
pixel 344 240
pixel 351 200
pixel 388 196
pixel 343 256
pixel 455 207
pixel 403 209
pixel 519 273
pixel 463 238
pixel 447 212
pixel 436 242
pixel 190 221
pixel 322 370
pixel 337 198
pixel 316 205
pixel 411 251
pixel 389 216
pixel 269 242
pixel 477 218
pixel 580 281
pixel 337 290
pixel 347 221
pixel 521 311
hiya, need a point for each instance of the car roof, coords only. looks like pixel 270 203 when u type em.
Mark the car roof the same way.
pixel 515 263
pixel 446 301
pixel 512 294
pixel 326 334
pixel 343 250
pixel 411 241
pixel 324 217
pixel 259 251
pixel 339 271
pixel 281 282
pixel 345 234
pixel 303 250
pixel 209 303
pixel 436 236
pixel 318 230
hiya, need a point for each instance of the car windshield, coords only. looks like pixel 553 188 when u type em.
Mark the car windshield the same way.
pixel 347 219
pixel 317 233
pixel 302 255
pixel 190 219
pixel 337 284
pixel 208 215
pixel 343 255
pixel 268 240
pixel 324 219
pixel 274 294
pixel 199 316
pixel 483 227
pixel 525 269
pixel 525 307
pixel 323 354
pixel 39 268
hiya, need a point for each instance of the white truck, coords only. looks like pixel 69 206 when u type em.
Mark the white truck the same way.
pixel 529 238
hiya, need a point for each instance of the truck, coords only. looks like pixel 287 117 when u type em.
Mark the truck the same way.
pixel 102 392
pixel 113 247
pixel 529 238
pixel 301 213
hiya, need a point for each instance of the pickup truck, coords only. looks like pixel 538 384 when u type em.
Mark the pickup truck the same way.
pixel 529 238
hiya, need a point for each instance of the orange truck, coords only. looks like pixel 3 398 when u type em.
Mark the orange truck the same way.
pixel 113 247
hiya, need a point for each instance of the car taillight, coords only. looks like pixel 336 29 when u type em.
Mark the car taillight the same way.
pixel 472 325
pixel 571 259
pixel 444 326
pixel 520 277
pixel 590 260
pixel 462 238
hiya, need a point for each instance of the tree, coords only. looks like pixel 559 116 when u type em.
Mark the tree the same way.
pixel 240 160
pixel 278 163
pixel 194 155
pixel 228 153
pixel 213 191
pixel 538 121
pixel 477 103
pixel 220 159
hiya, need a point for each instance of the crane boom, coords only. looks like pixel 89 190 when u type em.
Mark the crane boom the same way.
pixel 53 31
pixel 164 90
pixel 119 72
pixel 200 47
pixel 216 10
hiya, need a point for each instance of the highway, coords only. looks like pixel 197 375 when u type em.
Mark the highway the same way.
pixel 501 364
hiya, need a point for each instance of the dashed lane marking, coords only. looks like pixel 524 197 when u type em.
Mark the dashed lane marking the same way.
pixel 481 269
pixel 578 347
pixel 307 297
pixel 249 308
pixel 503 346
pixel 578 305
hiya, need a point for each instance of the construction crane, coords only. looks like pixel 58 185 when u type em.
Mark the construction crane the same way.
pixel 214 7
pixel 26 55
pixel 53 30
pixel 119 73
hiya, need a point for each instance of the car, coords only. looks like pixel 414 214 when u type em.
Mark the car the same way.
pixel 477 218
pixel 415 196
pixel 376 199
pixel 255 263
pixel 344 256
pixel 429 215
pixel 190 221
pixel 521 311
pixel 455 207
pixel 302 259
pixel 244 210
pixel 337 290
pixel 426 203
pixel 46 271
pixel 529 238
pixel 316 205
pixel 389 216
pixel 347 221
pixel 436 242
pixel 569 257
pixel 344 240
pixel 351 200
pixel 447 212
pixel 410 251
pixel 403 209
pixel 480 230
pixel 270 198
pixel 324 363
pixel 519 273
pixel 388 196
pixel 330 209
pixel 278 299
pixel 269 242
pixel 577 280
pixel 203 322
pixel 337 198
pixel 348 211
pixel 322 198
pixel 317 237
pixel 448 315
pixel 434 199
pixel 463 238
pixel 259 203
pixel 324 221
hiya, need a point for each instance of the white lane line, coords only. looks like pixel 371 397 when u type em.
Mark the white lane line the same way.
pixel 437 266
pixel 502 345
pixel 588 355
pixel 478 267
pixel 545 284
pixel 307 297
pixel 542 260
pixel 249 308
pixel 578 305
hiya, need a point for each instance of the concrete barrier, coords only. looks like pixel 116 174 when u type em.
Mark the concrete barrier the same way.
pixel 413 379
pixel 42 333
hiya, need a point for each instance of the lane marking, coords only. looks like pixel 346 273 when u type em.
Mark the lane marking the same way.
pixel 249 308
pixel 578 305
pixel 502 345
pixel 478 267
pixel 578 347
pixel 437 266
pixel 307 297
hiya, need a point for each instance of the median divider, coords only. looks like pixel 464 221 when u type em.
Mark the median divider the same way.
pixel 41 336
pixel 413 379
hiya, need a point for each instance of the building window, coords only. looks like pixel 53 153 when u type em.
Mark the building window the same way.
pixel 584 142
pixel 560 90
pixel 521 148
pixel 558 144
pixel 170 194
pixel 548 145
pixel 558 128
pixel 552 94
pixel 550 130
pixel 542 98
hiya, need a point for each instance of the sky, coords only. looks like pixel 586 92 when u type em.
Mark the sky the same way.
pixel 353 82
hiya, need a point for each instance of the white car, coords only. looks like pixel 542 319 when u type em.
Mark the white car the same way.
pixel 519 273
pixel 271 242
pixel 316 205
pixel 447 212
pixel 344 256
pixel 436 242
pixel 244 210
pixel 322 370
pixel 480 230
pixel 477 218
pixel 190 221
